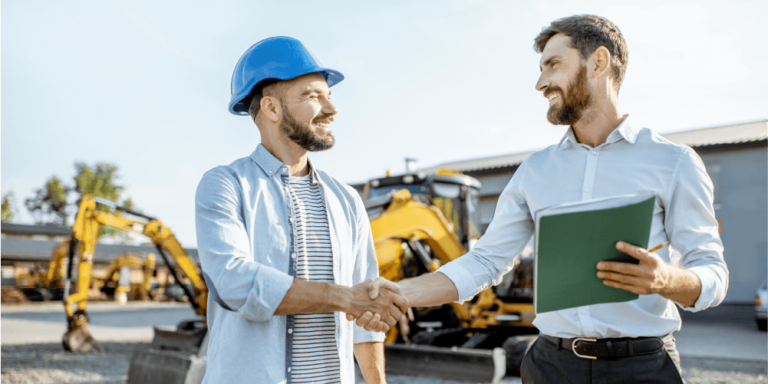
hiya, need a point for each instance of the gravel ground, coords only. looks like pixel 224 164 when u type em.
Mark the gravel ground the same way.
pixel 48 363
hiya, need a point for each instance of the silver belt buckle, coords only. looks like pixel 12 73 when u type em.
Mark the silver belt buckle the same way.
pixel 573 348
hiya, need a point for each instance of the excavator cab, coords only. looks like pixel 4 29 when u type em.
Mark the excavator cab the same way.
pixel 420 222
pixel 454 194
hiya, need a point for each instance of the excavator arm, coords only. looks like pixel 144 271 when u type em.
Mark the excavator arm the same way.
pixel 83 243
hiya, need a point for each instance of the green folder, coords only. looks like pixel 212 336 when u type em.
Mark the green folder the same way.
pixel 572 238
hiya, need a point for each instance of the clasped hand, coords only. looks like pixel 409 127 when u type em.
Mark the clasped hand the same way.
pixel 377 304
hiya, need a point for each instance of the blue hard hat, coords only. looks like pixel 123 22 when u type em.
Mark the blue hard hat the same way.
pixel 279 58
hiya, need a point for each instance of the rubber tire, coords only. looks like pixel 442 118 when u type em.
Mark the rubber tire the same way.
pixel 516 347
pixel 762 324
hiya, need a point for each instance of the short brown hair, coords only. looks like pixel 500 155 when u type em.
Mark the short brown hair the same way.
pixel 588 33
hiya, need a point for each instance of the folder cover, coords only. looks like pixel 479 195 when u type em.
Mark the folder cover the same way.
pixel 572 238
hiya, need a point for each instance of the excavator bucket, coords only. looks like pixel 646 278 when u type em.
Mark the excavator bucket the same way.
pixel 173 357
pixel 79 339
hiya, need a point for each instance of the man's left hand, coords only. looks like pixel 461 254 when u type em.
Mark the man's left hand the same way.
pixel 651 276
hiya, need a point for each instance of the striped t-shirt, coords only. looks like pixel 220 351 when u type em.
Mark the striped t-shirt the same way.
pixel 315 357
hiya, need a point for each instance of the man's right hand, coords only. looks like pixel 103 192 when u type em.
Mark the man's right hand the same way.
pixel 375 308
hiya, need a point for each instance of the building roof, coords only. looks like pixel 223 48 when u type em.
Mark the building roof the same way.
pixel 49 230
pixel 733 134
pixel 728 134
pixel 41 250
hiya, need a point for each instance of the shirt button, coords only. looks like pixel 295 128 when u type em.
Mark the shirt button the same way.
pixel 290 219
pixel 593 153
pixel 293 255
pixel 285 169
pixel 290 330
pixel 289 369
pixel 586 190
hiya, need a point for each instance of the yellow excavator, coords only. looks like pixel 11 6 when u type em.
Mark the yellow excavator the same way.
pixel 42 284
pixel 116 283
pixel 420 222
pixel 49 283
pixel 81 249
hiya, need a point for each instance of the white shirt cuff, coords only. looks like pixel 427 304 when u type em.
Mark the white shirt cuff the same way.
pixel 463 281
pixel 708 280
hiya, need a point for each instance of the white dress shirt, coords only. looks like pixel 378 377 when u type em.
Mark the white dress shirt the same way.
pixel 632 160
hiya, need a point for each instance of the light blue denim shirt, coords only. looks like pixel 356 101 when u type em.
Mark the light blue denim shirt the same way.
pixel 246 242
pixel 632 160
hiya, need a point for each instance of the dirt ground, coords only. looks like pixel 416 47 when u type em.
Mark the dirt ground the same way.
pixel 48 363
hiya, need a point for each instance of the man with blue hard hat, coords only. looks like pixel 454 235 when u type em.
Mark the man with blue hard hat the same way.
pixel 284 247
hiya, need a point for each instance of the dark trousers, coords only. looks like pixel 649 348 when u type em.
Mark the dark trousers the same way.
pixel 546 363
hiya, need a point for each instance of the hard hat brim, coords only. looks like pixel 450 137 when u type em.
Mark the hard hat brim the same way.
pixel 237 104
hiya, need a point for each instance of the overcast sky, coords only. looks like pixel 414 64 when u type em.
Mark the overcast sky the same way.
pixel 145 84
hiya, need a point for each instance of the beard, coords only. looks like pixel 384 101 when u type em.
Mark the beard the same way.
pixel 573 106
pixel 303 135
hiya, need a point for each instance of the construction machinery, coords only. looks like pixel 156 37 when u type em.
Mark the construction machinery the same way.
pixel 420 222
pixel 48 283
pixel 117 279
pixel 94 212
pixel 42 284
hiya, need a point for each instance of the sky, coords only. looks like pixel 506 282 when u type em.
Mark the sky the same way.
pixel 145 85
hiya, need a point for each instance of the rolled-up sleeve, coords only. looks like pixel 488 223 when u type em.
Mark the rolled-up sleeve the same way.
pixel 366 265
pixel 495 252
pixel 235 281
pixel 693 229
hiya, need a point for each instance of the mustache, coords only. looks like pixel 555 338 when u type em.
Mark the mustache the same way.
pixel 552 90
pixel 323 119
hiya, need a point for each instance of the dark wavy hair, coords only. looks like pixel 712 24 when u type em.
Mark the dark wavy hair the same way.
pixel 588 33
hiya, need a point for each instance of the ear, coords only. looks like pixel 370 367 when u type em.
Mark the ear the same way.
pixel 271 108
pixel 600 61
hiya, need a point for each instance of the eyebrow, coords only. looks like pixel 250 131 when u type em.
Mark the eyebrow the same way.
pixel 310 91
pixel 546 62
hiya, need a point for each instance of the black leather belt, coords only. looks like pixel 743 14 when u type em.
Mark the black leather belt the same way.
pixel 588 348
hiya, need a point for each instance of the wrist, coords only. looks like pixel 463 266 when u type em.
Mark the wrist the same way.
pixel 336 297
pixel 670 280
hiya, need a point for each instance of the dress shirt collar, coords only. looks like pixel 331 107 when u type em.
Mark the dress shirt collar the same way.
pixel 272 166
pixel 626 130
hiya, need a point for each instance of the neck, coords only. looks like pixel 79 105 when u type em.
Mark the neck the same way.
pixel 285 150
pixel 597 123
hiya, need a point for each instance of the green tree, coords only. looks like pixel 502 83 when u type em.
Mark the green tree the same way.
pixel 9 207
pixel 101 181
pixel 49 205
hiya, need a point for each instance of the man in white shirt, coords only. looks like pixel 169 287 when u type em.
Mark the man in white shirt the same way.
pixel 602 154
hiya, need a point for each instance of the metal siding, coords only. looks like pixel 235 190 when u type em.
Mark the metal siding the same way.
pixel 742 196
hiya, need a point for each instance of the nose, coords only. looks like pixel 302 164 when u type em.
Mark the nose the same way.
pixel 542 83
pixel 329 108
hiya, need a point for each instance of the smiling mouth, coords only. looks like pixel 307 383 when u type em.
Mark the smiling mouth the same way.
pixel 324 126
pixel 552 98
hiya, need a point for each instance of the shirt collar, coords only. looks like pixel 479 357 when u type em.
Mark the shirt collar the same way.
pixel 625 130
pixel 272 166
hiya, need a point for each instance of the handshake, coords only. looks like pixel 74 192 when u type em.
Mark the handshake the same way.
pixel 377 305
